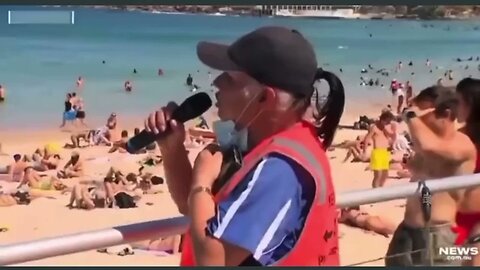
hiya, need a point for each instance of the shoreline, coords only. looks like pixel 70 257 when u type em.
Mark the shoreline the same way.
pixel 252 12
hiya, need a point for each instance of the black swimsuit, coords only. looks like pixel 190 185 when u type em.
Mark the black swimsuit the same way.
pixel 68 106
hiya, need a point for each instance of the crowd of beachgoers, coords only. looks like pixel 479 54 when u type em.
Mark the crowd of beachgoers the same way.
pixel 69 172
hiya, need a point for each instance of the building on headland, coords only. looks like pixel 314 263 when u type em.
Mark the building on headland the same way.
pixel 313 11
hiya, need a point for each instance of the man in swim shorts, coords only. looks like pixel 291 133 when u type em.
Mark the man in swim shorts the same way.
pixel 379 133
pixel 440 151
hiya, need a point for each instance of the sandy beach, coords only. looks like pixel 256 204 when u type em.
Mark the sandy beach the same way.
pixel 103 54
pixel 47 217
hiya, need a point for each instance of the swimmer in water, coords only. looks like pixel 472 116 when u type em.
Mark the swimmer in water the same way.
pixel 440 82
pixel 79 83
pixel 2 93
pixel 189 80
pixel 128 86
pixel 450 75
pixel 134 71
pixel 160 72
pixel 103 62
pixel 195 88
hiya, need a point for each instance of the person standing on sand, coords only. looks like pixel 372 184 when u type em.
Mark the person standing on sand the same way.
pixel 80 105
pixel 69 115
pixel 440 151
pixel 409 92
pixel 285 173
pixel 400 96
pixel 381 139
pixel 468 215
pixel 2 94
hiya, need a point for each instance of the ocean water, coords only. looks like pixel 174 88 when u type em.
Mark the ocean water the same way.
pixel 40 63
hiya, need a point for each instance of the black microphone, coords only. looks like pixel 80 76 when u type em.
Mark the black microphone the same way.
pixel 192 107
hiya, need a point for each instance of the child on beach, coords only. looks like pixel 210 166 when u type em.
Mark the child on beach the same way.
pixel 379 134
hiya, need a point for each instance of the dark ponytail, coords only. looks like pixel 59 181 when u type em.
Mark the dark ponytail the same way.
pixel 328 115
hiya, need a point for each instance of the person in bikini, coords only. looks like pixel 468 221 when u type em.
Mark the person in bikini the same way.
pixel 380 133
pixel 468 214
pixel 73 168
pixel 355 217
pixel 440 151
pixel 36 181
pixel 46 159
pixel 91 195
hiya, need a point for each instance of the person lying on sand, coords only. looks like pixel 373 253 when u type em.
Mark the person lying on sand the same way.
pixel 83 135
pixel 120 145
pixel 101 137
pixel 116 191
pixel 151 160
pixel 73 168
pixel 354 217
pixel 17 198
pixel 43 161
pixel 85 197
pixel 357 150
pixel 14 171
pixel 36 181
pixel 402 168
pixel 150 184
pixel 169 244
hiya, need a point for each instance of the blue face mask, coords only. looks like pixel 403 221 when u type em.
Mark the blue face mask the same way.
pixel 228 136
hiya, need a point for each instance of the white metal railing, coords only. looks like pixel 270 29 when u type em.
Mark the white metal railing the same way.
pixel 67 244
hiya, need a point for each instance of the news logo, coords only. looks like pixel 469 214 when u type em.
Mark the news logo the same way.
pixel 458 253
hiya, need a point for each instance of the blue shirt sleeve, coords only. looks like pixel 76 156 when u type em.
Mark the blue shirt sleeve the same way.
pixel 267 207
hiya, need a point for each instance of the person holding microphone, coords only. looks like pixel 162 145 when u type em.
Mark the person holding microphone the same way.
pixel 277 207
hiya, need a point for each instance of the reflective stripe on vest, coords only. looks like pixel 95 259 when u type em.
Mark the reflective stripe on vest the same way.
pixel 298 147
